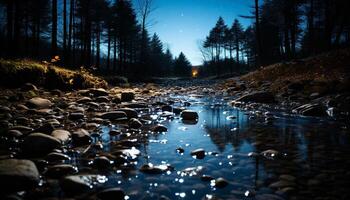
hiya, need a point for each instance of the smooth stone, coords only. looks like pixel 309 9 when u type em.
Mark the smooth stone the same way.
pixel 206 178
pixel 37 144
pixel 62 135
pixel 113 115
pixel 154 169
pixel 38 102
pixel 76 116
pixel 127 96
pixel 135 123
pixel 221 182
pixel 77 184
pixel 135 105
pixel 58 171
pixel 189 115
pixel 55 157
pixel 84 100
pixel 103 99
pixel 98 92
pixel 81 137
pixel 167 108
pixel 14 133
pixel 281 184
pixel 111 194
pixel 257 97
pixel 46 128
pixel 102 162
pixel 17 175
pixel 198 153
pixel 178 110
pixel 130 113
pixel 28 87
pixel 159 128
pixel 268 197
pixel 180 150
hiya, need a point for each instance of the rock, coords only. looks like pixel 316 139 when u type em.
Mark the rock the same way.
pixel 154 169
pixel 281 184
pixel 103 99
pixel 268 197
pixel 77 184
pixel 127 96
pixel 14 133
pixel 102 162
pixel 178 110
pixel 257 97
pixel 37 144
pixel 220 182
pixel 76 116
pixel 98 92
pixel 57 92
pixel 39 103
pixel 270 154
pixel 111 194
pixel 135 123
pixel 135 105
pixel 17 175
pixel 314 110
pixel 167 108
pixel 189 115
pixel 81 137
pixel 57 157
pixel 46 128
pixel 159 128
pixel 62 135
pixel 130 113
pixel 58 171
pixel 180 150
pixel 84 100
pixel 198 153
pixel 206 178
pixel 114 115
pixel 28 87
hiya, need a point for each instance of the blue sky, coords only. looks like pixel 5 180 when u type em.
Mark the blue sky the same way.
pixel 182 23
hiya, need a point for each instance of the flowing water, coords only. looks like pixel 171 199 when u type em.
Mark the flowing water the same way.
pixel 261 155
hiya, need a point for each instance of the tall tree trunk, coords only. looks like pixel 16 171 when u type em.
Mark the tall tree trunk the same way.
pixel 70 31
pixel 54 28
pixel 9 24
pixel 17 28
pixel 98 47
pixel 65 31
pixel 259 58
pixel 109 49
pixel 115 53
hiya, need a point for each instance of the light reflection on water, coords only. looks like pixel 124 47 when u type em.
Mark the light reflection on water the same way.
pixel 306 148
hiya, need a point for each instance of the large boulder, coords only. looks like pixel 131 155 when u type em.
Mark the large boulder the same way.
pixel 257 97
pixel 38 144
pixel 17 175
pixel 189 115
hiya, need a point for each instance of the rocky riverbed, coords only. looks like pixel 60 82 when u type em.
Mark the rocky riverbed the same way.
pixel 198 140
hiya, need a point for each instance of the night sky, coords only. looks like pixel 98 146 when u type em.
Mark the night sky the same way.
pixel 180 24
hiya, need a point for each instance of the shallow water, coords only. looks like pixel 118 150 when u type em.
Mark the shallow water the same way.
pixel 314 151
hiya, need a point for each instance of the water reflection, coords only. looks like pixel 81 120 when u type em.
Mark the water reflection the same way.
pixel 288 157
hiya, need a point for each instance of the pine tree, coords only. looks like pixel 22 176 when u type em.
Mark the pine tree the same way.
pixel 182 66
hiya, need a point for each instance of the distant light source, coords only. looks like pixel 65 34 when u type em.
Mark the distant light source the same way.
pixel 194 73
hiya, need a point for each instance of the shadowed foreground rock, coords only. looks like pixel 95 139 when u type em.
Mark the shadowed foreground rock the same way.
pixel 17 175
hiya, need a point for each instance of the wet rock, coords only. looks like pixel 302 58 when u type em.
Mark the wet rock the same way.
pixel 268 197
pixel 76 116
pixel 220 182
pixel 58 171
pixel 178 110
pixel 14 133
pixel 154 169
pixel 127 96
pixel 17 175
pixel 281 184
pixel 315 110
pixel 37 144
pixel 167 108
pixel 102 99
pixel 62 135
pixel 111 194
pixel 189 115
pixel 57 157
pixel 270 154
pixel 130 113
pixel 46 128
pixel 206 178
pixel 114 115
pixel 159 128
pixel 102 162
pixel 28 87
pixel 135 105
pixel 135 123
pixel 257 97
pixel 180 150
pixel 84 100
pixel 57 92
pixel 77 184
pixel 39 103
pixel 81 137
pixel 98 92
pixel 198 153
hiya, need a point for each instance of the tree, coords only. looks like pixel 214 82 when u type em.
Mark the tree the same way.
pixel 54 28
pixel 237 33
pixel 182 66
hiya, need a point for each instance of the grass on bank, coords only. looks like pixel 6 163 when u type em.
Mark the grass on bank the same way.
pixel 15 73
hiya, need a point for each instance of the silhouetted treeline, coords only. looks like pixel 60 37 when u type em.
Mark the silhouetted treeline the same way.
pixel 282 30
pixel 101 34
